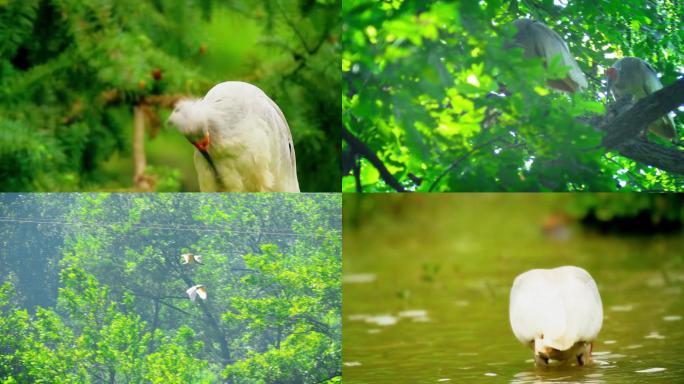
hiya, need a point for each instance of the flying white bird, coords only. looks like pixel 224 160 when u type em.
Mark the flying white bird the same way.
pixel 197 290
pixel 189 258
pixel 557 312
pixel 538 40
pixel 635 78
pixel 242 139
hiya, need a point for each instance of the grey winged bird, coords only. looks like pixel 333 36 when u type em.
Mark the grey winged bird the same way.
pixel 538 40
pixel 634 78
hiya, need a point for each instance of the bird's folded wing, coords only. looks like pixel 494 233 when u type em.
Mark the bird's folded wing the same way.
pixel 288 157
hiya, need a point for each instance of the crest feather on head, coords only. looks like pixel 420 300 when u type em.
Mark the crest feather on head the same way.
pixel 191 116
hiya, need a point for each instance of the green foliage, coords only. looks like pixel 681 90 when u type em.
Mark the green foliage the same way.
pixel 271 267
pixel 71 72
pixel 423 89
pixel 606 207
pixel 299 291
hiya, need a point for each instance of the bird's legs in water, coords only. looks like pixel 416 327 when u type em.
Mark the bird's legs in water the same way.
pixel 584 356
pixel 580 352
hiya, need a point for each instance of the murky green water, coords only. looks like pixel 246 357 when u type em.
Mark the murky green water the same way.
pixel 426 290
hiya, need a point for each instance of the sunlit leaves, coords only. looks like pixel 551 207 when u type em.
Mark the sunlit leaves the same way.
pixel 441 79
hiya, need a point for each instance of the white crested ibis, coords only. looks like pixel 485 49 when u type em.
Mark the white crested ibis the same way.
pixel 557 312
pixel 197 290
pixel 242 140
pixel 189 258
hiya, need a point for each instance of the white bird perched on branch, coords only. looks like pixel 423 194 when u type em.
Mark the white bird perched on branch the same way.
pixel 242 139
pixel 197 290
pixel 538 40
pixel 634 78
pixel 189 258
pixel 558 312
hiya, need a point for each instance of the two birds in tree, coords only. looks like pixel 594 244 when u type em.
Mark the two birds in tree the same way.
pixel 196 290
pixel 629 77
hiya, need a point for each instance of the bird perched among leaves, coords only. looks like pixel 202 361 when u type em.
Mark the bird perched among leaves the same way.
pixel 243 142
pixel 634 78
pixel 538 40
pixel 189 258
pixel 557 312
pixel 197 290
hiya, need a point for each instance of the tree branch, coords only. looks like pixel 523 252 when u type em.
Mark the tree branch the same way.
pixel 643 151
pixel 634 121
pixel 460 160
pixel 357 146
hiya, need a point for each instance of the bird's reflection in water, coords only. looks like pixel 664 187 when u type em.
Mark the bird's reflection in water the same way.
pixel 565 375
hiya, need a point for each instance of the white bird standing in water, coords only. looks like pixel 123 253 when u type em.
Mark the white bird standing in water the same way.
pixel 557 312
pixel 197 290
pixel 538 40
pixel 189 258
pixel 242 139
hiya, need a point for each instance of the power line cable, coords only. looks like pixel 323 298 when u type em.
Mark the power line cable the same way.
pixel 182 227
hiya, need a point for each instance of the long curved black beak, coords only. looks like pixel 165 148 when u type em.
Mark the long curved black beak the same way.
pixel 202 146
pixel 209 160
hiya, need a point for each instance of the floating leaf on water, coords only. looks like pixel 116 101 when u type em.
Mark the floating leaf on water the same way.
pixel 404 294
pixel 421 319
pixel 600 353
pixel 352 363
pixel 651 370
pixel 634 346
pixel 413 313
pixel 609 342
pixel 672 318
pixel 382 320
pixel 373 331
pixel 654 335
pixel 594 375
pixel 441 380
pixel 359 278
pixel 490 374
pixel 622 308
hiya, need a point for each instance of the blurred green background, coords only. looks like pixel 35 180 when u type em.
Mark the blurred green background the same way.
pixel 426 280
pixel 71 72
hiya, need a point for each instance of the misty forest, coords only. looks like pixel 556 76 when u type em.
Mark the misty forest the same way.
pixel 194 288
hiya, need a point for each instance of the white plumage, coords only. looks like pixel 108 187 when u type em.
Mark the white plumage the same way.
pixel 242 139
pixel 197 290
pixel 558 312
pixel 635 78
pixel 538 40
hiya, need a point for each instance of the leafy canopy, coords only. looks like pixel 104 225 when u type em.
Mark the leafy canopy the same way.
pixel 431 89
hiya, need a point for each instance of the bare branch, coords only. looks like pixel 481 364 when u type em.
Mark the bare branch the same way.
pixel 357 146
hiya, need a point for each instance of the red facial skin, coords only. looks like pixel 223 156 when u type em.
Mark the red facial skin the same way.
pixel 203 144
pixel 612 74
